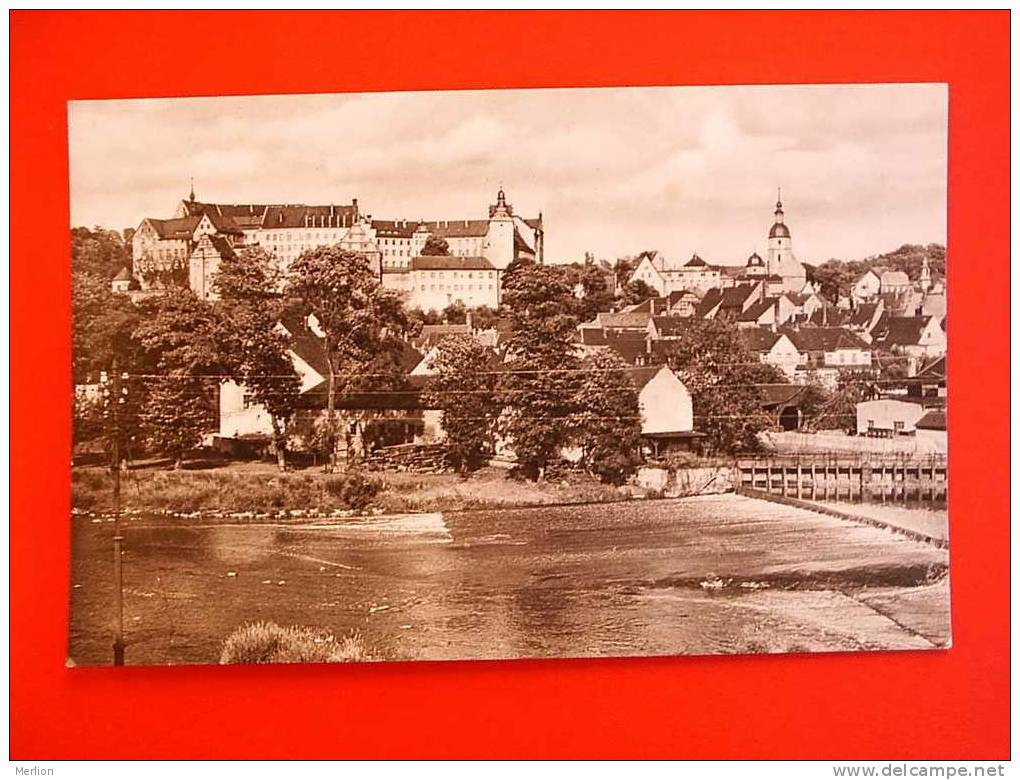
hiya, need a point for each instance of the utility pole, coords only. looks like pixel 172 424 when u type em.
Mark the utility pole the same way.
pixel 116 401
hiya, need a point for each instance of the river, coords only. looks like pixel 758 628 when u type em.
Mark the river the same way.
pixel 714 574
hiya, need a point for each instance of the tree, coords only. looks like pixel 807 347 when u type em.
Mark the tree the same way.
pixel 102 324
pixel 591 290
pixel 255 353
pixel 361 320
pixel 539 388
pixel 607 423
pixel 435 246
pixel 455 313
pixel 102 253
pixel 840 408
pixel 181 341
pixel 464 388
pixel 635 292
pixel 726 381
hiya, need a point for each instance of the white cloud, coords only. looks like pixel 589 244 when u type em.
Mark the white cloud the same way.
pixel 614 171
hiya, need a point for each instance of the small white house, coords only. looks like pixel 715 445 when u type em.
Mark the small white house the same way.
pixel 667 412
pixel 866 287
pixel 887 417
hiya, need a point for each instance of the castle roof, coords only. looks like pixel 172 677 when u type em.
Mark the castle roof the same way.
pixel 180 228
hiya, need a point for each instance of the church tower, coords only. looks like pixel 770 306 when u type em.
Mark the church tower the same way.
pixel 781 260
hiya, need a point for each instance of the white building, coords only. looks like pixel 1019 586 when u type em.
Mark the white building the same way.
pixel 888 417
pixel 286 231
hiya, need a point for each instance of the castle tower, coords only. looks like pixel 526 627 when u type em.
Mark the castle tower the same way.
pixel 499 241
pixel 925 280
pixel 781 260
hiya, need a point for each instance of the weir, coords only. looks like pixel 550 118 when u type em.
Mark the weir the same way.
pixel 866 478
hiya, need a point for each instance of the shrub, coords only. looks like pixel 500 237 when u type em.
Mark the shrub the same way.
pixel 354 489
pixel 269 643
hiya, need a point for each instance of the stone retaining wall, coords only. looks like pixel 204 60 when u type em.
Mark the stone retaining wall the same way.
pixel 687 482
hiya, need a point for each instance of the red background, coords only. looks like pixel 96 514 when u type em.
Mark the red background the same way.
pixel 951 704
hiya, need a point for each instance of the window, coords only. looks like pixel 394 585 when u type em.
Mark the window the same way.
pixel 871 424
pixel 897 425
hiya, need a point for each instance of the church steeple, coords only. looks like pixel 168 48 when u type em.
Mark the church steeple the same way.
pixel 191 196
pixel 501 208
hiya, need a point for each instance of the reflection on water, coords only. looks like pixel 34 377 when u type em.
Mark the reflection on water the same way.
pixel 663 577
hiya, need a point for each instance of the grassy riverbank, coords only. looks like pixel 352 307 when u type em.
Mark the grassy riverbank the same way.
pixel 260 488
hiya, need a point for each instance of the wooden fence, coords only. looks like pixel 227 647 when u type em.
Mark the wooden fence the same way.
pixel 837 478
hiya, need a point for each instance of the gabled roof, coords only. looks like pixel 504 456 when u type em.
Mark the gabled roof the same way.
pixel 932 420
pixel 677 295
pixel 431 335
pixel 862 315
pixel 220 244
pixel 623 319
pixel 755 311
pixel 304 343
pixel 180 229
pixel 670 326
pixel 251 216
pixel 828 315
pixel 900 331
pixel 450 263
pixel 695 261
pixel 521 247
pixel 781 395
pixel 815 339
pixel 123 275
pixel 647 305
pixel 760 339
pixel 935 370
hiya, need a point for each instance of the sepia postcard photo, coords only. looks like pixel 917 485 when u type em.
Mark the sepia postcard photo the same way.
pixel 509 374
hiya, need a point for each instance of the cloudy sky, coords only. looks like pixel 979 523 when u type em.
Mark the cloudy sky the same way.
pixel 614 171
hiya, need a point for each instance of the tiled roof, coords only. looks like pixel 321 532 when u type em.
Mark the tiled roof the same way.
pixel 431 335
pixel 521 247
pixel 829 315
pixel 221 245
pixel 695 261
pixel 862 315
pixel 755 311
pixel 623 319
pixel 450 263
pixel 760 339
pixel 781 395
pixel 251 216
pixel 181 228
pixel 900 331
pixel 677 295
pixel 670 326
pixel 932 420
pixel 305 344
pixel 815 339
